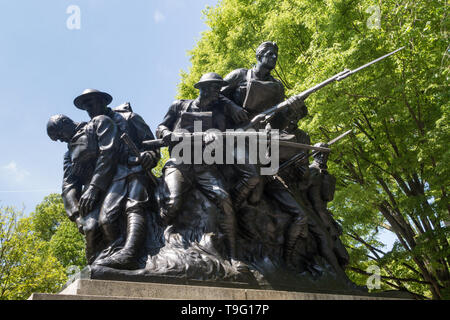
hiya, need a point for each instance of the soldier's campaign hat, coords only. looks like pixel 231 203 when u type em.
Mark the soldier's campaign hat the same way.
pixel 78 102
pixel 210 77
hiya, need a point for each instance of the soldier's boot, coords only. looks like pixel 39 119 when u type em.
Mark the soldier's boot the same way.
pixel 241 192
pixel 90 255
pixel 91 247
pixel 298 229
pixel 92 237
pixel 127 257
pixel 228 227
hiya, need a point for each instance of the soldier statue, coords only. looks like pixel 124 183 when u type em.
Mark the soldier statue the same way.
pixel 321 191
pixel 89 163
pixel 256 90
pixel 131 194
pixel 210 108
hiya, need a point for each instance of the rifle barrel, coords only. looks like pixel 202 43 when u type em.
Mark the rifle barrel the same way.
pixel 368 64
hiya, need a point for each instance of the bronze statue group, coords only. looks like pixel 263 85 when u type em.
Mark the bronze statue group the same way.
pixel 199 221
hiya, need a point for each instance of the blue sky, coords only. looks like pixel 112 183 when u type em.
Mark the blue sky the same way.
pixel 133 50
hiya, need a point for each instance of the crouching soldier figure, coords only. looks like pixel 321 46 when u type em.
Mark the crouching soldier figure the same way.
pixel 179 178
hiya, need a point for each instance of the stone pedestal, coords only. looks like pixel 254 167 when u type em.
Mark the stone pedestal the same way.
pixel 85 289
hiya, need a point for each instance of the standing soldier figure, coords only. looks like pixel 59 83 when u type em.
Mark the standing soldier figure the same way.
pixel 130 193
pixel 256 90
pixel 320 192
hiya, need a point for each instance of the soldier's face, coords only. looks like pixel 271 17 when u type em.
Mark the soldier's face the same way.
pixel 292 126
pixel 321 158
pixel 94 106
pixel 62 134
pixel 210 91
pixel 269 58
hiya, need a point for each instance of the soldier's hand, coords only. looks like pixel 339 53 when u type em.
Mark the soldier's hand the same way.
pixel 148 160
pixel 298 106
pixel 80 224
pixel 210 137
pixel 167 138
pixel 88 200
pixel 240 115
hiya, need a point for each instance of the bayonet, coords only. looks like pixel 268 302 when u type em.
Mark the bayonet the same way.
pixel 302 155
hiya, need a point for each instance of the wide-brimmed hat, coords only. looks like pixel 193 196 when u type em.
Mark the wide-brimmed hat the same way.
pixel 210 77
pixel 88 93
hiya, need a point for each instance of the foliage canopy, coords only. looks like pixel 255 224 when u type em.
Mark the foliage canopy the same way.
pixel 38 252
pixel 393 172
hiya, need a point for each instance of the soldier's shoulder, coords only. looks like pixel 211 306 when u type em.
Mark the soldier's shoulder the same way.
pixel 236 74
pixel 179 103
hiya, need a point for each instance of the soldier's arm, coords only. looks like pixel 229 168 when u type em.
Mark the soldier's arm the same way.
pixel 143 133
pixel 107 142
pixel 167 125
pixel 71 189
pixel 232 111
pixel 107 137
pixel 233 79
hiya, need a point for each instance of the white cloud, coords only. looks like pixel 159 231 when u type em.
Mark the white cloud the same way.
pixel 12 172
pixel 158 16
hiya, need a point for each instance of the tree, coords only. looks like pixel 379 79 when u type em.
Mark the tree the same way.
pixel 157 171
pixel 38 253
pixel 393 172
pixel 51 224
pixel 26 262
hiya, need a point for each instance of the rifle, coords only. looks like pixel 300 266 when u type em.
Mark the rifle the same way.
pixel 302 155
pixel 157 143
pixel 269 113
pixel 135 151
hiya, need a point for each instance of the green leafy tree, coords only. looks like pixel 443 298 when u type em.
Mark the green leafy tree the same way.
pixel 50 223
pixel 393 172
pixel 27 264
pixel 38 252
pixel 157 171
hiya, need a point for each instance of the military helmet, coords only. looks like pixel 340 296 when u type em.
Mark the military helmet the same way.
pixel 78 102
pixel 210 77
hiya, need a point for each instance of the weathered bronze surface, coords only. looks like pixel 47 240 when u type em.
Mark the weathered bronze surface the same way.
pixel 221 223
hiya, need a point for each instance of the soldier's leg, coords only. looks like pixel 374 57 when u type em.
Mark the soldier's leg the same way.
pixel 89 227
pixel 248 175
pixel 110 212
pixel 93 238
pixel 341 253
pixel 248 180
pixel 177 183
pixel 136 209
pixel 298 227
pixel 137 198
pixel 326 248
pixel 211 184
